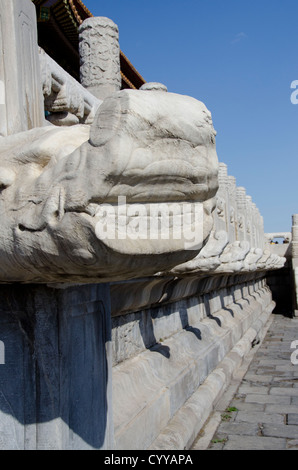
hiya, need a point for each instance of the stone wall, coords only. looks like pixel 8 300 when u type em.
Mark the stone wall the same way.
pixel 60 391
pixel 236 213
pixel 173 361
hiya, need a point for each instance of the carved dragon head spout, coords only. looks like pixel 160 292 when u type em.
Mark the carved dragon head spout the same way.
pixel 146 148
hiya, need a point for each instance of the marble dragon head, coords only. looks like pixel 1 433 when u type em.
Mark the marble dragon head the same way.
pixel 144 148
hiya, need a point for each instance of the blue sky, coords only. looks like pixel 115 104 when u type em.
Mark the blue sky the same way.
pixel 239 58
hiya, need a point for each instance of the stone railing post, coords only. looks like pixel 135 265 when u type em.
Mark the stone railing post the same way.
pixel 241 212
pixel 248 235
pixel 222 207
pixel 99 56
pixel 232 208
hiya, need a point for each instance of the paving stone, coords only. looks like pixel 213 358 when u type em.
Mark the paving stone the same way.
pixel 286 367
pixel 282 382
pixel 274 399
pixel 284 409
pixel 260 417
pixel 243 406
pixel 292 418
pixel 286 431
pixel 290 392
pixel 242 428
pixel 272 362
pixel 254 443
pixel 257 378
pixel 266 370
pixel 277 373
pixel 245 388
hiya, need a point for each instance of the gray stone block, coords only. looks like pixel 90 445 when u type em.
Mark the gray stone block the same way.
pixel 292 418
pixel 262 389
pixel 265 399
pixel 260 417
pixel 290 392
pixel 254 443
pixel 281 409
pixel 284 431
pixel 243 429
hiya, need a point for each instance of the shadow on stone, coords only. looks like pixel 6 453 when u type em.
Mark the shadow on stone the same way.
pixel 161 349
pixel 54 385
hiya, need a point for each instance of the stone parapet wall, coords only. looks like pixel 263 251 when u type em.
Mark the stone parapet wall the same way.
pixel 66 99
pixel 166 357
pixel 139 329
pixel 236 213
pixel 60 344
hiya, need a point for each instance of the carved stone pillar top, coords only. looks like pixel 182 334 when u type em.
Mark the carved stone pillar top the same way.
pixel 100 56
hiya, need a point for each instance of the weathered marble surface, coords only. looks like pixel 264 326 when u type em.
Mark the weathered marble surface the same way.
pixel 149 147
pixel 21 101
